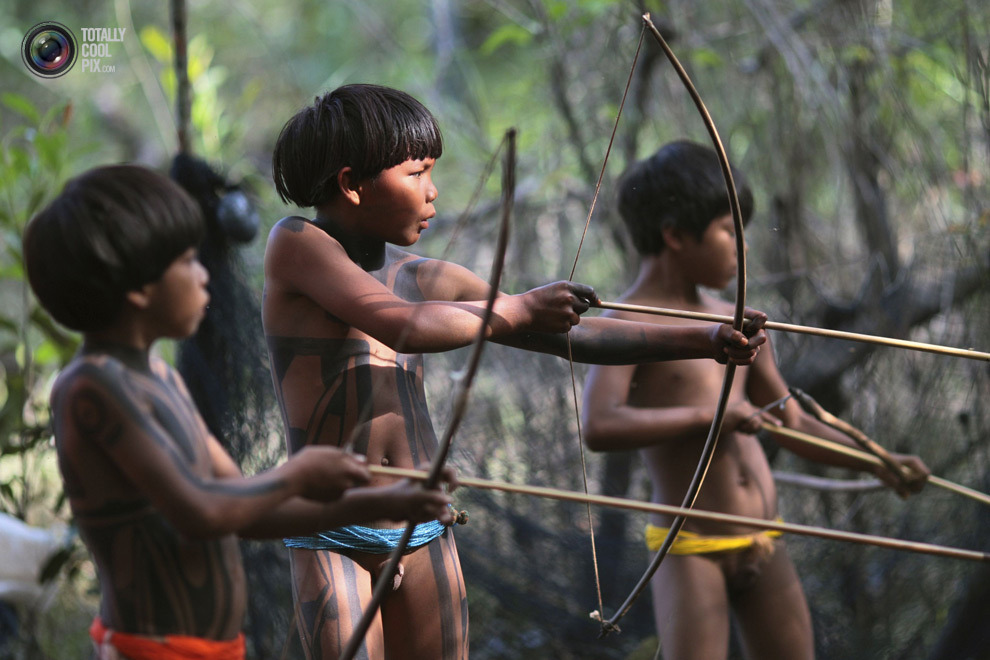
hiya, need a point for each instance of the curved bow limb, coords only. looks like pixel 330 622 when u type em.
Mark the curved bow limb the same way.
pixel 385 578
pixel 903 474
pixel 867 457
pixel 611 625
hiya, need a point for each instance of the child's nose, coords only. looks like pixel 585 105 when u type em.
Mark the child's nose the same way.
pixel 204 273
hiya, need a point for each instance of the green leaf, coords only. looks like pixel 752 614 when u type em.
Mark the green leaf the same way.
pixel 51 148
pixel 506 34
pixel 34 203
pixel 21 105
pixel 706 57
pixel 557 10
pixel 157 44
pixel 19 160
pixel 597 7
pixel 856 54
pixel 47 353
pixel 12 271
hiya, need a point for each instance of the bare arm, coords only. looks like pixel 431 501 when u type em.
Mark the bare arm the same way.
pixel 302 260
pixel 149 430
pixel 766 384
pixel 606 340
pixel 611 424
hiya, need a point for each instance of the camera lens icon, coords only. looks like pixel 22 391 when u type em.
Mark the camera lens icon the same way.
pixel 49 49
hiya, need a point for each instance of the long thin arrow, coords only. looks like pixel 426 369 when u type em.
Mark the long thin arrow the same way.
pixel 802 329
pixel 712 516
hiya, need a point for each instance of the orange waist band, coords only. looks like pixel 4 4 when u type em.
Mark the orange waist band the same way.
pixel 168 647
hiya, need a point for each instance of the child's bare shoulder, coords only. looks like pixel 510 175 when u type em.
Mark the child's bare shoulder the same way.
pixel 715 305
pixel 436 279
pixel 111 378
pixel 445 280
pixel 297 229
pixel 94 369
pixel 291 223
pixel 296 246
pixel 167 374
pixel 91 397
pixel 292 228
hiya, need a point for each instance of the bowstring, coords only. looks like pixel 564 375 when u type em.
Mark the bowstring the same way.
pixel 570 352
pixel 713 434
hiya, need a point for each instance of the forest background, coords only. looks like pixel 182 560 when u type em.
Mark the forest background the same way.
pixel 863 127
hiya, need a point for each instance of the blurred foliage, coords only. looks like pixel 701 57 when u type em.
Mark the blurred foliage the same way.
pixel 36 149
pixel 32 346
pixel 824 106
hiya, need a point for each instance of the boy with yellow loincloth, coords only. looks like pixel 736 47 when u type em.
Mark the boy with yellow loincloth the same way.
pixel 155 497
pixel 675 207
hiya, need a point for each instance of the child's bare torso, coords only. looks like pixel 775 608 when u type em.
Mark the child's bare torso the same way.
pixel 739 480
pixel 153 580
pixel 338 385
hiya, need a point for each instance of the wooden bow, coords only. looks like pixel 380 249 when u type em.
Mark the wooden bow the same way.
pixel 904 475
pixel 867 457
pixel 610 625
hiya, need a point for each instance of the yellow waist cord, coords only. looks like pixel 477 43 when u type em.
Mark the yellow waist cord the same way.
pixel 690 543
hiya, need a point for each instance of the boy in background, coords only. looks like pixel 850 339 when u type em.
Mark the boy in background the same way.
pixel 675 208
pixel 156 498
pixel 348 314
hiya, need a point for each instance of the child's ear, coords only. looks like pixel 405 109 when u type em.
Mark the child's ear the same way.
pixel 139 298
pixel 349 188
pixel 672 238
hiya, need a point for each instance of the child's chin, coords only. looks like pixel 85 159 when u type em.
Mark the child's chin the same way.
pixel 180 336
pixel 726 282
pixel 716 285
pixel 189 330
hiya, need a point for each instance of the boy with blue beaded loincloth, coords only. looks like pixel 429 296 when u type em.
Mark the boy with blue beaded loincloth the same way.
pixel 348 315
